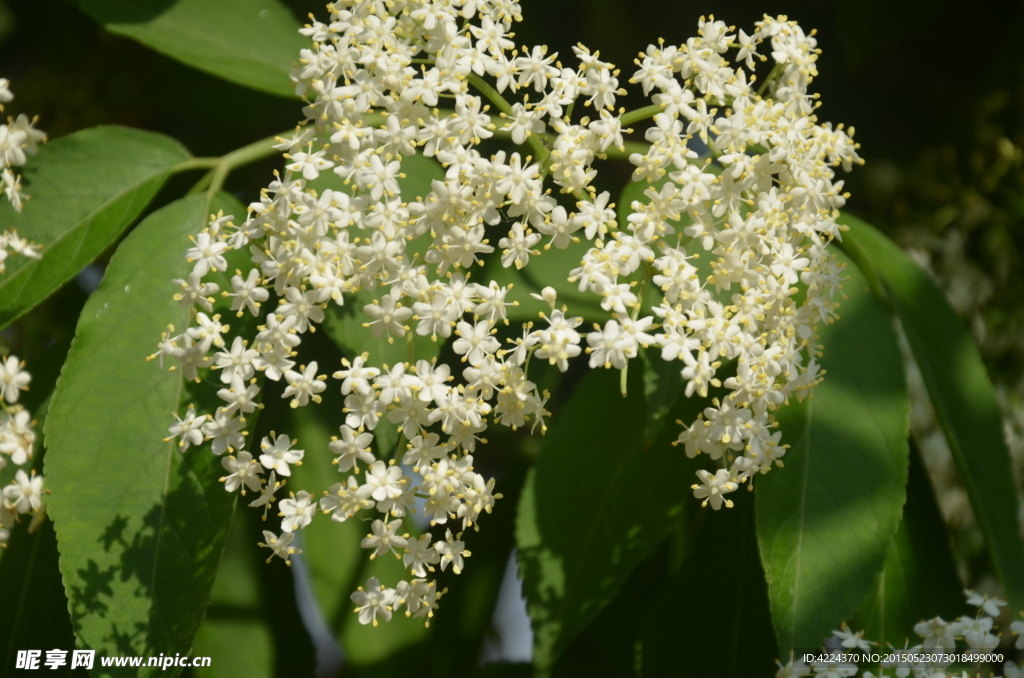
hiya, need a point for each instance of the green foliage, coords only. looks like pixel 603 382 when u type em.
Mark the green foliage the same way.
pixel 250 42
pixel 919 580
pixel 824 523
pixel 86 188
pixel 141 526
pixel 961 393
pixel 721 621
pixel 573 563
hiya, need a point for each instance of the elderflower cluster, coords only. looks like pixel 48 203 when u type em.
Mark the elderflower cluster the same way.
pixel 24 495
pixel 18 139
pixel 761 216
pixel 938 637
pixel 372 80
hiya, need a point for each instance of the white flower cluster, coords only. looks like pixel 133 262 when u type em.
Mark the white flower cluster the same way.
pixel 764 222
pixel 937 637
pixel 18 139
pixel 24 496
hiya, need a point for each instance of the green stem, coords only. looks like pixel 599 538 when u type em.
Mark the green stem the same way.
pixel 539 149
pixel 641 114
pixel 221 167
pixel 771 76
pixel 624 375
pixel 194 164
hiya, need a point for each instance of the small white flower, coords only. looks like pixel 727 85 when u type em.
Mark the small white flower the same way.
pixel 297 511
pixel 452 551
pixel 188 429
pixel 13 378
pixel 713 487
pixel 277 454
pixel 280 546
pixel 373 601
pixel 25 493
pixel 989 605
pixel 384 537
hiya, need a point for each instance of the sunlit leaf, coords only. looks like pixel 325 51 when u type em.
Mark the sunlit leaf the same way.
pixel 962 395
pixel 86 189
pixel 141 526
pixel 824 522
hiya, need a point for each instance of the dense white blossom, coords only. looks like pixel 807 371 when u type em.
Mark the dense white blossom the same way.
pixel 732 232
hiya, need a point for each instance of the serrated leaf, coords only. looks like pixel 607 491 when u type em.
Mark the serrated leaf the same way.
pixel 962 395
pixel 249 42
pixel 141 526
pixel 596 502
pixel 919 580
pixel 86 189
pixel 824 522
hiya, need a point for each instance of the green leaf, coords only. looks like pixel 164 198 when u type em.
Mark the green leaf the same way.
pixel 141 526
pixel 597 501
pixel 919 580
pixel 249 42
pixel 722 623
pixel 86 189
pixel 961 394
pixel 663 384
pixel 824 522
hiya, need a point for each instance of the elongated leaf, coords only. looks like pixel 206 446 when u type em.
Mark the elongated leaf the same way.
pixel 824 522
pixel 919 580
pixel 86 189
pixel 248 42
pixel 597 501
pixel 731 635
pixel 141 526
pixel 961 394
